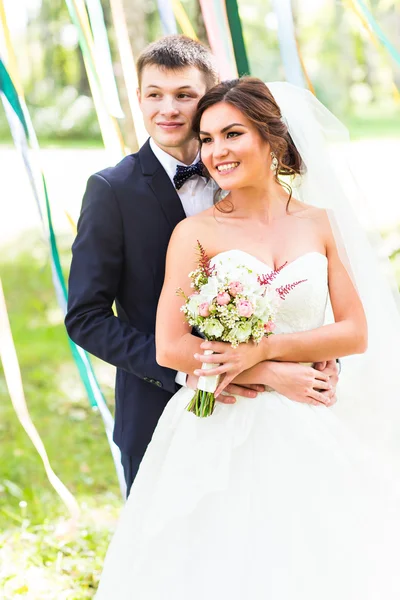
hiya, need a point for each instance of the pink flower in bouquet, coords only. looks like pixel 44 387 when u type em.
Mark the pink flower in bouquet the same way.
pixel 204 309
pixel 245 308
pixel 235 288
pixel 269 327
pixel 223 298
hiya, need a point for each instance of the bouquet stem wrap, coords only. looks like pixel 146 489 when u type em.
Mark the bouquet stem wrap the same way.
pixel 203 402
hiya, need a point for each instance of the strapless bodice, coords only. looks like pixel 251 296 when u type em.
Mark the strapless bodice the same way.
pixel 304 307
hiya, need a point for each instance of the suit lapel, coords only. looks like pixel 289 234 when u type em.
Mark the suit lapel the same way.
pixel 166 194
pixel 161 186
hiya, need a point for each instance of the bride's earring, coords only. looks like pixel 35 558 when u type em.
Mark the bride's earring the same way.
pixel 274 162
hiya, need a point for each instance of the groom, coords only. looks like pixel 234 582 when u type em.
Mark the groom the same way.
pixel 128 214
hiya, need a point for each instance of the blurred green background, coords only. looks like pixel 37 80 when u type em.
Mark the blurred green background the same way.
pixel 356 81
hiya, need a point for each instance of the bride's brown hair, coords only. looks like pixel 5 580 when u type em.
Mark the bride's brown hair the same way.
pixel 252 97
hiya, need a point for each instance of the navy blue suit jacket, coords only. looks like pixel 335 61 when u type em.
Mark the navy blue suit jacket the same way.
pixel 128 214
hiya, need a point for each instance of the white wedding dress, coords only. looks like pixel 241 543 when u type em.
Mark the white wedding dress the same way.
pixel 268 499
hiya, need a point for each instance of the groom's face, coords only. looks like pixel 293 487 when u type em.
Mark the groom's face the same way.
pixel 168 100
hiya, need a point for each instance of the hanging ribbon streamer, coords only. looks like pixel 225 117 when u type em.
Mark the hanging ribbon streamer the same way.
pixel 354 8
pixel 303 68
pixel 287 42
pixel 167 17
pixel 13 105
pixel 219 36
pixel 109 127
pixel 128 68
pixel 239 46
pixel 394 53
pixel 183 20
pixel 19 130
pixel 102 56
pixel 11 58
pixel 5 80
pixel 6 85
pixel 12 374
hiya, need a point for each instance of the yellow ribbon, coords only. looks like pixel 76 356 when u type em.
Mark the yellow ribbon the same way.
pixel 12 66
pixel 183 19
pixel 109 127
pixel 303 68
pixel 12 373
pixel 128 68
pixel 353 6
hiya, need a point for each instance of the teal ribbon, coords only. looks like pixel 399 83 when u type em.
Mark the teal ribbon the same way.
pixel 239 46
pixel 81 358
pixel 395 54
pixel 20 126
pixel 8 89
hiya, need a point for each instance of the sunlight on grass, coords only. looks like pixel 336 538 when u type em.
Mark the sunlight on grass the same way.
pixel 37 563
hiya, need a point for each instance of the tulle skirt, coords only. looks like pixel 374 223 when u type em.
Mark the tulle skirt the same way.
pixel 268 499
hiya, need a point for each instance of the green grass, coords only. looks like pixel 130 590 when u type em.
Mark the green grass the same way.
pixel 89 143
pixel 73 434
pixel 373 124
pixel 71 143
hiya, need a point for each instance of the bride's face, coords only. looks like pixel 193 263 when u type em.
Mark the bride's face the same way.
pixel 232 149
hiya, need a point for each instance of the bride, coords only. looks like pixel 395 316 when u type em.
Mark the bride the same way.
pixel 270 498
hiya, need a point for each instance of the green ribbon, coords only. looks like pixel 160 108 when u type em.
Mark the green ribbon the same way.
pixel 82 40
pixel 77 352
pixel 239 46
pixel 8 89
pixel 81 358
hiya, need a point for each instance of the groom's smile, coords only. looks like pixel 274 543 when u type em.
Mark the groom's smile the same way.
pixel 170 126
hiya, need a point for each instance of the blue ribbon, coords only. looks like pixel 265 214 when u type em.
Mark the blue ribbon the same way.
pixel 167 17
pixel 379 33
pixel 287 42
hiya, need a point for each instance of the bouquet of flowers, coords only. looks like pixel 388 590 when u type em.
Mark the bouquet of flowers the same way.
pixel 232 304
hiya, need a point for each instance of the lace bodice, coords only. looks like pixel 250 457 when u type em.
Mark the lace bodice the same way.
pixel 304 307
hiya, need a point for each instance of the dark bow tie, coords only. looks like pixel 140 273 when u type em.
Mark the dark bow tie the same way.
pixel 184 173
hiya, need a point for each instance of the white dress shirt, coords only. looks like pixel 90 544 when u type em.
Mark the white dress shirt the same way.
pixel 196 195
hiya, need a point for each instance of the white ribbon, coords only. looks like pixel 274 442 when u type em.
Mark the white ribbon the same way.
pixel 210 383
pixel 12 374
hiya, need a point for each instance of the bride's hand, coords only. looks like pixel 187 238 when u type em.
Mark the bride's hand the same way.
pixel 229 361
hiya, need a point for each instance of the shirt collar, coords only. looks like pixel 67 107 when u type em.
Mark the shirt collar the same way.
pixel 169 162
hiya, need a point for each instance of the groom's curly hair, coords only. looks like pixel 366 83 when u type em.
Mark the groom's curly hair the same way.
pixel 252 97
pixel 174 52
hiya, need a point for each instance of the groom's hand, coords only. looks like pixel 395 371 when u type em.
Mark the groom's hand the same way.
pixel 330 368
pixel 302 383
pixel 227 396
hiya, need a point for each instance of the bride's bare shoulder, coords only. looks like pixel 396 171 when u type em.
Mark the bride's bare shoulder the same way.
pixel 198 227
pixel 301 209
